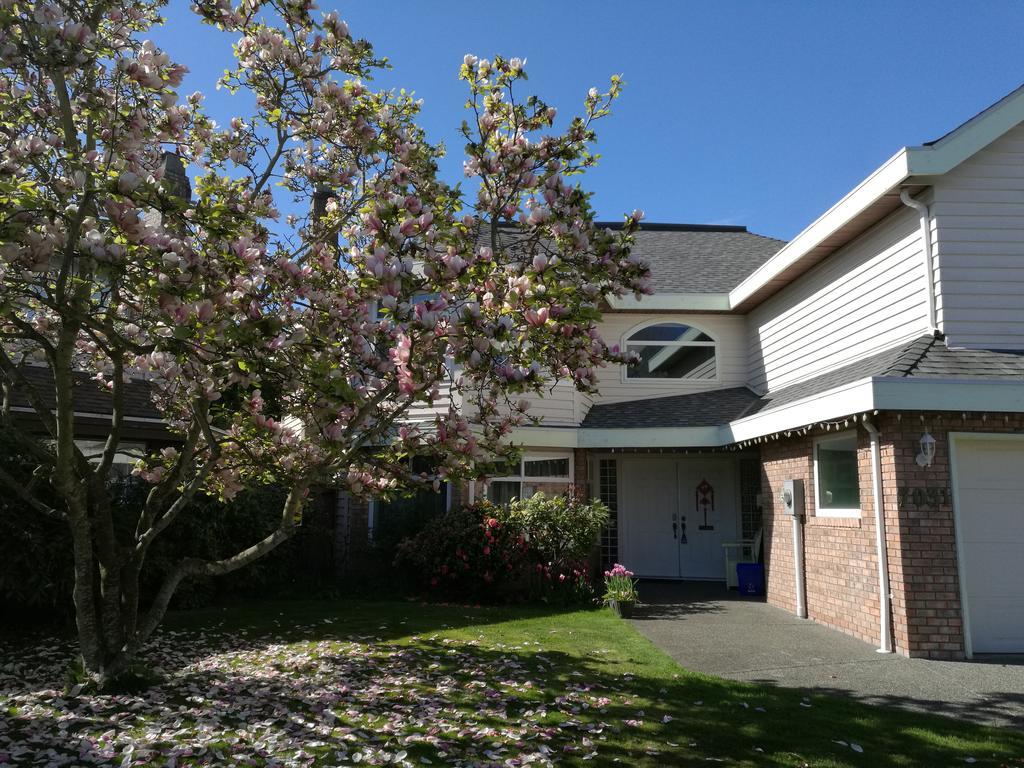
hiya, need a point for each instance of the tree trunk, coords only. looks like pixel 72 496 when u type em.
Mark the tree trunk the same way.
pixel 111 629
pixel 89 631
pixel 98 613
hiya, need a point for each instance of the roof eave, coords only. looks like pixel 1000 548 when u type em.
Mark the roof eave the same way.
pixel 864 205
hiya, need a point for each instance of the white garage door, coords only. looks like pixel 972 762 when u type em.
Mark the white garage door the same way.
pixel 989 486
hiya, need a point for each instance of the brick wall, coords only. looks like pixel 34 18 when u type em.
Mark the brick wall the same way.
pixel 581 472
pixel 922 535
pixel 839 553
pixel 840 562
pixel 922 544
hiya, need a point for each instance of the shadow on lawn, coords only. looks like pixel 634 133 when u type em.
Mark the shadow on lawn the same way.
pixel 999 708
pixel 251 625
pixel 448 700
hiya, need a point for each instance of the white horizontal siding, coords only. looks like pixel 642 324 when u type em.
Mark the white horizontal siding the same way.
pixel 866 297
pixel 556 406
pixel 423 412
pixel 978 216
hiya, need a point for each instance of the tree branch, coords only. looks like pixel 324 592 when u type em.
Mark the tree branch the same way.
pixel 291 515
pixel 116 420
pixel 188 492
pixel 14 375
pixel 22 491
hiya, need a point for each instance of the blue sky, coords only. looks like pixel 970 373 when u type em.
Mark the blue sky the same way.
pixel 755 113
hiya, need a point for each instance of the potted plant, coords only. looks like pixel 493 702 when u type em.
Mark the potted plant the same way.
pixel 620 590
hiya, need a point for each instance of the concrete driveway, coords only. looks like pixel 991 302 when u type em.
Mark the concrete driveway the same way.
pixel 708 629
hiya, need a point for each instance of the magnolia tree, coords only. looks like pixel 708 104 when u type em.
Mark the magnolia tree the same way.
pixel 285 350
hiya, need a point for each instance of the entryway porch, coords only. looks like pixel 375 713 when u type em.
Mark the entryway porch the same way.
pixel 674 511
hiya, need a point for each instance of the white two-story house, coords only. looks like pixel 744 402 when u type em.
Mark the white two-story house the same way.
pixel 874 359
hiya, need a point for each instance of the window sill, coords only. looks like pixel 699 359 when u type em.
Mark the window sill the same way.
pixel 834 522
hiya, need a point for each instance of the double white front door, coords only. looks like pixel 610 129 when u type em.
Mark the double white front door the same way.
pixel 675 514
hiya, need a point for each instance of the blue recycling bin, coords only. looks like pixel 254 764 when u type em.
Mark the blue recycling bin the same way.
pixel 750 577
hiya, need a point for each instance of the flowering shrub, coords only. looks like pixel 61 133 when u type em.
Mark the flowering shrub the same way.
pixel 534 548
pixel 560 532
pixel 467 553
pixel 619 585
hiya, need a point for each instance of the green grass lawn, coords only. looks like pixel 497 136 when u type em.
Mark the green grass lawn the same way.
pixel 344 683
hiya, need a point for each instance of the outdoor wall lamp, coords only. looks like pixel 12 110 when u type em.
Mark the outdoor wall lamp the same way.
pixel 927 454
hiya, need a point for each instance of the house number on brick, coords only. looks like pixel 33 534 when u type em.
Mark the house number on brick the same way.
pixel 922 498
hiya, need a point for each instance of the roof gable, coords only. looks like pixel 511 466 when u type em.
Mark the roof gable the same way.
pixel 702 259
pixel 699 263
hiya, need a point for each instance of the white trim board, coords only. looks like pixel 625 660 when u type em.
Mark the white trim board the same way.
pixel 855 397
pixel 890 174
pixel 878 393
pixel 692 302
pixel 88 415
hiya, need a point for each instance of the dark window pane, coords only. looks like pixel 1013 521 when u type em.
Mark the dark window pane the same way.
pixel 837 474
pixel 669 332
pixel 546 468
pixel 669 362
pixel 505 469
pixel 608 492
pixel 501 492
pixel 548 489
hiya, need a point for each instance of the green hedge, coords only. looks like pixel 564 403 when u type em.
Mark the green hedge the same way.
pixel 36 575
pixel 531 549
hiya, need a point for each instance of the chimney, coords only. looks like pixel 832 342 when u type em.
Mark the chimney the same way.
pixel 174 175
pixel 319 208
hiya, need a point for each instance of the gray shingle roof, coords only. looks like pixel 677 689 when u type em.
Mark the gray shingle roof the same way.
pixel 887 363
pixel 690 258
pixel 701 409
pixel 89 398
pixel 931 358
pixel 701 259
pixel 922 358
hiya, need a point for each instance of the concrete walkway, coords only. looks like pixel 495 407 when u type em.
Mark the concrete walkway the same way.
pixel 707 629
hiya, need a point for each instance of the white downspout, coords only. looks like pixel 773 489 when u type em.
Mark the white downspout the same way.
pixel 884 595
pixel 929 266
pixel 798 568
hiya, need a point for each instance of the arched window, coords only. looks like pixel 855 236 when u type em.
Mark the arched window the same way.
pixel 671 351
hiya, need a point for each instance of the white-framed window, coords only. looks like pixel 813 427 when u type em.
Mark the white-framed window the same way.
pixel 836 476
pixel 550 474
pixel 671 351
